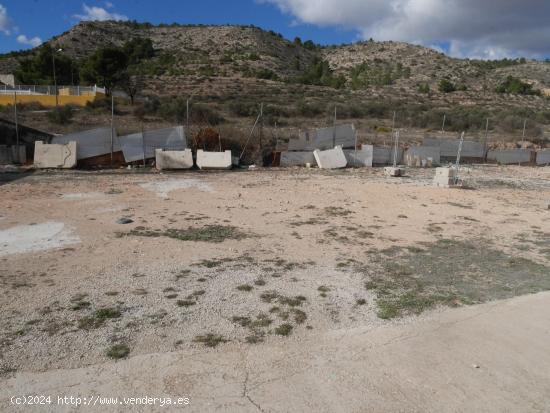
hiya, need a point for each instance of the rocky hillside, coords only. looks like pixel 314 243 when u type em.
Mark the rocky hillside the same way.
pixel 234 68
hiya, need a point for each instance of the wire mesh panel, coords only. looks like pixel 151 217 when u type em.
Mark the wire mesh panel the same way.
pixel 91 143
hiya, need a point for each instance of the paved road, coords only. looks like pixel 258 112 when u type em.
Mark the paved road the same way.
pixel 488 358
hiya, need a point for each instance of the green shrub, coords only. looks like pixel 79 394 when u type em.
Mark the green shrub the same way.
pixel 61 115
pixel 446 86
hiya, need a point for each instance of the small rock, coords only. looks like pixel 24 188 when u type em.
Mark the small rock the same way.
pixel 475 366
pixel 124 221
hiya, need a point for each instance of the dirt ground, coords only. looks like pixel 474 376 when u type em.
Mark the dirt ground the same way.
pixel 294 267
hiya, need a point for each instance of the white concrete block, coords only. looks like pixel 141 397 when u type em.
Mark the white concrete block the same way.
pixel 296 159
pixel 444 177
pixel 55 156
pixel 173 159
pixel 214 160
pixel 363 157
pixel 330 159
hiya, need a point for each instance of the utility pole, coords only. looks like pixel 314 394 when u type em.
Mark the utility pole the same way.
pixel 261 124
pixel 112 125
pixel 523 136
pixel 55 77
pixel 334 127
pixel 16 120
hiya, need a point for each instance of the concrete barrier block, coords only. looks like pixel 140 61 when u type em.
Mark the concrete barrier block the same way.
pixel 330 159
pixel 423 156
pixel 543 157
pixel 55 155
pixel 510 156
pixel 393 172
pixel 214 160
pixel 173 159
pixel 363 157
pixel 444 177
pixel 297 159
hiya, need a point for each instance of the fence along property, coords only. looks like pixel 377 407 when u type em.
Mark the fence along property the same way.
pixel 46 95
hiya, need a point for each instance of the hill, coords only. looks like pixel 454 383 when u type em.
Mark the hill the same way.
pixel 231 69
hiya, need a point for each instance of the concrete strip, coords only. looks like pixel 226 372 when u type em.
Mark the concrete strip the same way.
pixel 297 159
pixel 55 155
pixel 486 358
pixel 90 143
pixel 423 156
pixel 33 238
pixel 510 156
pixel 331 159
pixel 214 160
pixel 173 159
pixel 327 138
pixel 361 158
pixel 543 157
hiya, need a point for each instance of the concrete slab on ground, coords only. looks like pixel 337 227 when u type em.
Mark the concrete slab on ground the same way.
pixel 492 358
pixel 173 159
pixel 214 160
pixel 330 159
pixel 55 155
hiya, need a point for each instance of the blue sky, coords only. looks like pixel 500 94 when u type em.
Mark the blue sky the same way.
pixel 462 28
pixel 44 19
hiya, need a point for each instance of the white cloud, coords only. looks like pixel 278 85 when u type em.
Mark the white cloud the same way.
pixel 486 29
pixel 34 41
pixel 5 22
pixel 99 13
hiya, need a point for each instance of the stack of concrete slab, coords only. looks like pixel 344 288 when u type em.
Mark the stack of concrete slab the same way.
pixel 330 159
pixel 297 159
pixel 214 160
pixel 423 156
pixel 139 146
pixel 445 177
pixel 543 157
pixel 384 156
pixel 91 143
pixel 173 159
pixel 362 157
pixel 449 148
pixel 511 156
pixel 13 154
pixel 55 155
pixel 327 138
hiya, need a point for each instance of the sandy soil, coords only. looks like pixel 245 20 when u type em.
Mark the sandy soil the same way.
pixel 297 233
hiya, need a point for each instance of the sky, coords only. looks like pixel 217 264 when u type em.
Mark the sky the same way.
pixel 486 29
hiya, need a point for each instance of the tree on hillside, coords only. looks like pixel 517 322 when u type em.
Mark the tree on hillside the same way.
pixel 106 67
pixel 446 86
pixel 131 84
pixel 38 69
pixel 516 86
